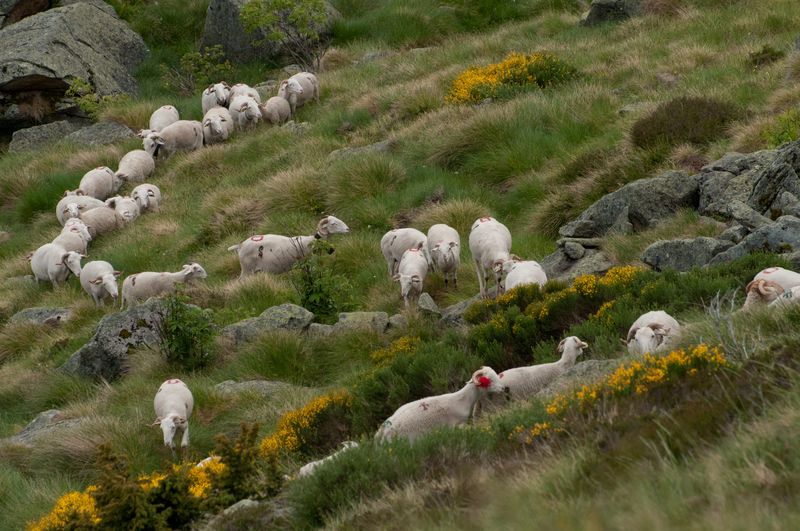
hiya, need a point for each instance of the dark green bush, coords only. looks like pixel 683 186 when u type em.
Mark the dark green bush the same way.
pixel 196 70
pixel 186 333
pixel 241 477
pixel 766 55
pixel 684 120
pixel 322 292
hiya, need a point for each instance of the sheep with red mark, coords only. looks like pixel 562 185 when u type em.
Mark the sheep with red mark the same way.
pixel 768 285
pixel 173 404
pixel 490 245
pixel 396 242
pixel 74 236
pixel 651 332
pixel 99 279
pixel 53 263
pixel 444 250
pixel 141 286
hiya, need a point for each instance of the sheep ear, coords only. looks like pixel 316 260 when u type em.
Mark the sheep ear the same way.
pixel 419 246
pixel 396 277
pixel 516 258
pixel 561 345
pixel 452 244
pixel 96 281
pixel 160 141
pixel 206 122
pixel 118 273
pixel 156 422
pixel 66 193
pixel 324 222
pixel 632 333
pixel 79 192
pixel 181 420
pixel 584 344
pixel 415 278
pixel 225 84
pixel 243 107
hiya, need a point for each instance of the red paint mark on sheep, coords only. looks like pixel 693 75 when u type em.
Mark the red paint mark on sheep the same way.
pixel 483 381
pixel 770 270
pixel 173 381
pixel 485 219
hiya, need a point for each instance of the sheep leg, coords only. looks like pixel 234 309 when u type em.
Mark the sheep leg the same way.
pixel 455 280
pixel 481 279
pixel 498 282
pixel 185 437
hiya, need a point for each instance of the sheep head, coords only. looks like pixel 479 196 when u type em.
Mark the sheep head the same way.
pixel 331 225
pixel 571 347
pixel 761 292
pixel 222 91
pixel 410 285
pixel 169 426
pixel 647 338
pixel 76 226
pixel 72 260
pixel 193 270
pixel 71 210
pixel 487 380
pixel 109 281
pixel 152 143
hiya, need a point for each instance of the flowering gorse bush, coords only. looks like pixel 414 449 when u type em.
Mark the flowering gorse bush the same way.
pixel 403 345
pixel 74 510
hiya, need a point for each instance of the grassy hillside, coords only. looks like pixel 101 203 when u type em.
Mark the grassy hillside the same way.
pixel 533 160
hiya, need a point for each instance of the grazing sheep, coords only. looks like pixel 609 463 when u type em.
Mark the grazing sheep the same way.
pixel 411 275
pixel 525 272
pixel 271 253
pixel 54 263
pixel 768 285
pixel 217 125
pixel 102 220
pixel 99 280
pixel 524 382
pixel 308 468
pixel 490 244
pixel 276 110
pixel 100 183
pixel 244 112
pixel 215 95
pixel 72 206
pixel 417 418
pixel 173 404
pixel 651 332
pixel 136 166
pixel 396 242
pixel 147 196
pixel 126 207
pixel 74 236
pixel 240 89
pixel 141 286
pixel 789 297
pixel 299 90
pixel 163 117
pixel 183 135
pixel 444 250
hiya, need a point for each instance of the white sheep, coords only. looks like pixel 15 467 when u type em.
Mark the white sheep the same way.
pixel 651 332
pixel 240 89
pixel 524 382
pixel 299 90
pixel 769 284
pixel 396 242
pixel 417 418
pixel 147 196
pixel 135 166
pixel 100 183
pixel 308 468
pixel 99 280
pixel 173 404
pixel 411 274
pixel 217 125
pixel 54 263
pixel 74 236
pixel 215 95
pixel 102 220
pixel 141 286
pixel 183 135
pixel 788 298
pixel 126 207
pixel 162 118
pixel 276 110
pixel 490 245
pixel 244 112
pixel 272 253
pixel 444 250
pixel 525 272
pixel 72 206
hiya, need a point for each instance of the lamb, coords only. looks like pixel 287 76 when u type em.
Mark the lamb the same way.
pixel 444 250
pixel 308 468
pixel 72 206
pixel 240 89
pixel 215 95
pixel 244 112
pixel 173 404
pixel 126 207
pixel 417 418
pixel 103 219
pixel 74 236
pixel 136 166
pixel 275 111
pixel 147 196
pixel 768 285
pixel 183 135
pixel 651 332
pixel 396 242
pixel 163 117
pixel 525 272
pixel 299 90
pixel 490 244
pixel 411 274
pixel 100 183
pixel 99 280
pixel 271 253
pixel 217 125
pixel 142 286
pixel 54 263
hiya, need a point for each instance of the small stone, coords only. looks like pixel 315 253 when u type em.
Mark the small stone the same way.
pixel 360 321
pixel 43 316
pixel 292 69
pixel 398 322
pixel 298 129
pixel 574 250
pixel 735 233
pixel 318 330
pixel 427 306
pixel 384 146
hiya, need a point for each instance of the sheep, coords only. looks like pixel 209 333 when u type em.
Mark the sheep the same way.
pixel 271 253
pixel 183 135
pixel 54 263
pixel 308 468
pixel 651 332
pixel 147 196
pixel 411 274
pixel 126 207
pixel 99 280
pixel 102 220
pixel 244 112
pixel 173 404
pixel 275 111
pixel 100 183
pixel 490 245
pixel 162 118
pixel 525 272
pixel 787 298
pixel 240 89
pixel 74 236
pixel 417 418
pixel 444 250
pixel 768 285
pixel 396 242
pixel 142 286
pixel 215 95
pixel 217 125
pixel 72 206
pixel 136 166
pixel 299 90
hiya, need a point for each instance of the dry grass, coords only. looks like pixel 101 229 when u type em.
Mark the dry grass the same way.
pixel 136 115
pixel 458 213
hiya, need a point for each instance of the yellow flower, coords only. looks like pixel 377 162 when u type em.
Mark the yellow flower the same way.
pixel 585 285
pixel 70 510
pixel 620 275
pixel 403 345
pixel 201 476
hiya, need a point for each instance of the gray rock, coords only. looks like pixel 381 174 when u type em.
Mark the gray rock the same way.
pixel 261 387
pixel 787 204
pixel 96 3
pixel 782 236
pixel 221 521
pixel 41 135
pixel 735 233
pixel 12 11
pixel 45 423
pixel 318 330
pixel 559 266
pixel 584 242
pixel 267 89
pixel 574 250
pixel 284 317
pixel 360 321
pixel 601 11
pixel 100 134
pixel 794 259
pixel 427 306
pixel 384 146
pixel 582 373
pixel 43 316
pixel 683 255
pixel 739 212
pixel 106 354
pixel 292 69
pixel 778 177
pixel 398 322
pixel 454 315
pixel 637 205
pixel 730 178
pixel 298 129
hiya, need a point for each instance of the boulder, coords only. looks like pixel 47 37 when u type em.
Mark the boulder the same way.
pixel 398 322
pixel 284 317
pixel 360 321
pixel 42 135
pixel 41 54
pixel 384 146
pixel 43 316
pixel 106 354
pixel 782 236
pixel 730 178
pixel 635 206
pixel 601 11
pixel 12 11
pixel 100 134
pixel 45 423
pixel 261 387
pixel 454 315
pixel 778 177
pixel 735 233
pixel 559 266
pixel 100 4
pixel 427 306
pixel 574 250
pixel 318 330
pixel 739 212
pixel 683 255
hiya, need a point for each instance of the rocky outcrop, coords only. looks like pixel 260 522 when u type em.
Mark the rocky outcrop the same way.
pixel 42 135
pixel 361 321
pixel 683 255
pixel 46 423
pixel 384 146
pixel 575 257
pixel 427 306
pixel 283 317
pixel 12 11
pixel 43 316
pixel 601 11
pixel 782 236
pixel 100 134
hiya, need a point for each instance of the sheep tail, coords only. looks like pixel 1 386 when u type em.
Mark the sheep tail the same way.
pixel 234 247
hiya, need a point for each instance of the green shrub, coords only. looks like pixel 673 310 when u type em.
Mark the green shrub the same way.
pixel 197 69
pixel 241 472
pixel 39 197
pixel 321 291
pixel 186 333
pixel 786 128
pixel 90 102
pixel 766 55
pixel 684 120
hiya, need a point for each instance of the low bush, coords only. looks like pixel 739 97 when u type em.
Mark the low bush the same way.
pixel 684 120
pixel 785 128
pixel 321 291
pixel 196 70
pixel 90 102
pixel 765 56
pixel 186 334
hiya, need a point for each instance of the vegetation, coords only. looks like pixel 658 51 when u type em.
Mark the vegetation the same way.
pixel 186 334
pixel 684 120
